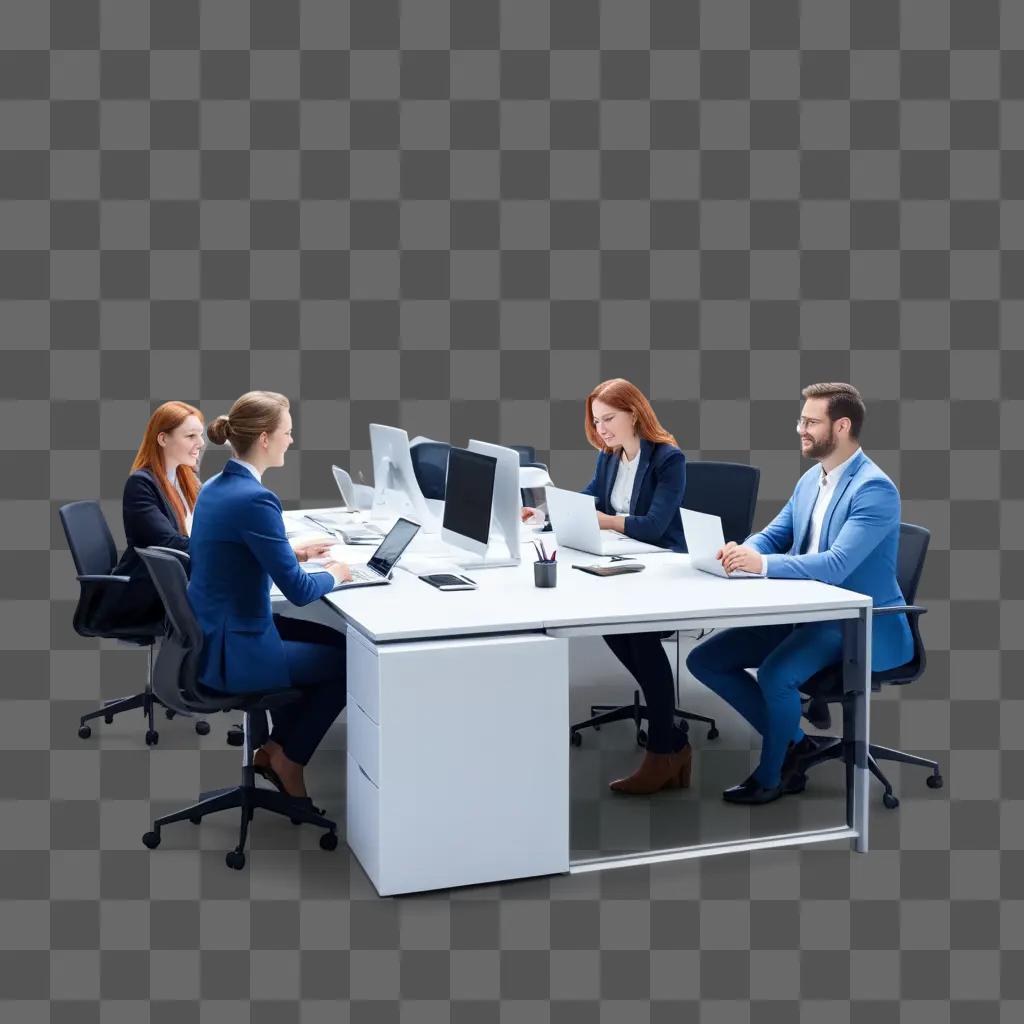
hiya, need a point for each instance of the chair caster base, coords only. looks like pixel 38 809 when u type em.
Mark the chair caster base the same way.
pixel 890 800
pixel 151 840
pixel 934 782
pixel 235 859
pixel 235 736
pixel 202 727
pixel 152 737
pixel 713 734
pixel 84 732
pixel 575 739
pixel 329 841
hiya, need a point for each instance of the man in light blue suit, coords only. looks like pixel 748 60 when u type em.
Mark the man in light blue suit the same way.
pixel 841 526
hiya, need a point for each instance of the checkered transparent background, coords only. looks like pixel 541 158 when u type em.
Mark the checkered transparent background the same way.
pixel 457 216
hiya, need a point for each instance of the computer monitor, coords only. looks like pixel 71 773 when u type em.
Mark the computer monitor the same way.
pixel 507 500
pixel 468 497
pixel 395 490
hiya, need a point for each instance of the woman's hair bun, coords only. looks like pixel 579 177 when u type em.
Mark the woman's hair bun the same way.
pixel 219 430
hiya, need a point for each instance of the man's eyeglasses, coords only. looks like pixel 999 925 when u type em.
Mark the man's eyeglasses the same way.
pixel 804 422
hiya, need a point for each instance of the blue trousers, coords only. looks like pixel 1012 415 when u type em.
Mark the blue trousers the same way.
pixel 784 656
pixel 316 666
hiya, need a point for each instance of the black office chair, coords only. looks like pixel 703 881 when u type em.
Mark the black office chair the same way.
pixel 430 467
pixel 95 555
pixel 176 683
pixel 729 491
pixel 826 686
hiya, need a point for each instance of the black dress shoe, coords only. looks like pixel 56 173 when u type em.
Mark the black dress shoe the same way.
pixel 796 752
pixel 752 792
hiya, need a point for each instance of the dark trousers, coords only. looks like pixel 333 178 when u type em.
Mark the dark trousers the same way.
pixel 316 666
pixel 647 662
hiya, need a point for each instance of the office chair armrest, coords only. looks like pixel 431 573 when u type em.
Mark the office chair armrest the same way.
pixel 182 556
pixel 97 578
pixel 893 609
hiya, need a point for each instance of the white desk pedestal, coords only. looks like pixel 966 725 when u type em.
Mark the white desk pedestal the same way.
pixel 439 792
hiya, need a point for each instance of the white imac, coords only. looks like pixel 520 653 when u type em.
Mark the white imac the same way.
pixel 507 500
pixel 395 490
pixel 468 498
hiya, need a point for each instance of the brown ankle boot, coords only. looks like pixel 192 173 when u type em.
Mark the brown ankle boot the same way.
pixel 657 771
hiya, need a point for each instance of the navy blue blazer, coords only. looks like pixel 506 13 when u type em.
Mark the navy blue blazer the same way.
pixel 149 520
pixel 658 490
pixel 238 547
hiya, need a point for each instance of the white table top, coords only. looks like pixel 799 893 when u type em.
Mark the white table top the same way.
pixel 507 600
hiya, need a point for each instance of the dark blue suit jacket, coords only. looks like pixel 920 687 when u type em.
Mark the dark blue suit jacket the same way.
pixel 149 521
pixel 238 547
pixel 658 490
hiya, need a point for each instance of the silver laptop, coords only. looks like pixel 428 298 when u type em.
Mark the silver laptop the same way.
pixel 704 539
pixel 347 489
pixel 378 570
pixel 574 520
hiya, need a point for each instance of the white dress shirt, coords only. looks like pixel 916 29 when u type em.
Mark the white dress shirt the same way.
pixel 184 501
pixel 827 484
pixel 622 489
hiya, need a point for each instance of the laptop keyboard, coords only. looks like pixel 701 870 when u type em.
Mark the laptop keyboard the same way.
pixel 363 575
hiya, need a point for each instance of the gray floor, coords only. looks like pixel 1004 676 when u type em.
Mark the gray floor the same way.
pixel 605 823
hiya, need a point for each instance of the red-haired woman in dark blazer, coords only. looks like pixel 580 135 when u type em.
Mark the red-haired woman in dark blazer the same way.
pixel 638 485
pixel 159 496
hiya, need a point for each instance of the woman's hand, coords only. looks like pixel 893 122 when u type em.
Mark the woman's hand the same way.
pixel 339 570
pixel 607 522
pixel 313 549
pixel 527 513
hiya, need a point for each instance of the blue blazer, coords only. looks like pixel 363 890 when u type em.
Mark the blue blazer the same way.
pixel 857 548
pixel 657 493
pixel 238 547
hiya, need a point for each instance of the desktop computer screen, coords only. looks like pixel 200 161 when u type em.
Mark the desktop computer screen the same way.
pixel 469 491
pixel 395 490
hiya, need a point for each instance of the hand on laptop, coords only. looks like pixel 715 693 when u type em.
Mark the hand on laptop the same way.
pixel 739 558
pixel 339 570
pixel 313 549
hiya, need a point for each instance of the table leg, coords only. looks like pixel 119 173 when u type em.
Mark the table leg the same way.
pixel 857 687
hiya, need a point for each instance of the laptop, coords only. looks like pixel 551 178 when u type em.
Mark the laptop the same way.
pixel 574 520
pixel 704 539
pixel 347 489
pixel 378 569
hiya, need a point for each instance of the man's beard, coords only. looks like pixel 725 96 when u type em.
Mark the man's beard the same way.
pixel 820 449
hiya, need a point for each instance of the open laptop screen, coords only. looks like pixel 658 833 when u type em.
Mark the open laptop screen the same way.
pixel 393 545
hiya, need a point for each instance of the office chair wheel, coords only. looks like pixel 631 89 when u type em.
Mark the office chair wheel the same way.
pixel 890 800
pixel 575 739
pixel 109 719
pixel 329 841
pixel 84 732
pixel 202 727
pixel 933 781
pixel 235 859
pixel 235 736
pixel 151 840
pixel 169 713
pixel 641 738
pixel 152 737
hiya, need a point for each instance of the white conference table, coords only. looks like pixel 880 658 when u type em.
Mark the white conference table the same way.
pixel 443 789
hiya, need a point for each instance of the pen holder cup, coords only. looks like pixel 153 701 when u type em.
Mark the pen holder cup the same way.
pixel 545 574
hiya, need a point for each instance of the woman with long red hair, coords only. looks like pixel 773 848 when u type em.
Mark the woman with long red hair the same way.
pixel 159 496
pixel 638 487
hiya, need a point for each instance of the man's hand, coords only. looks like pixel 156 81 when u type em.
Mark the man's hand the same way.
pixel 313 549
pixel 736 557
pixel 527 513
